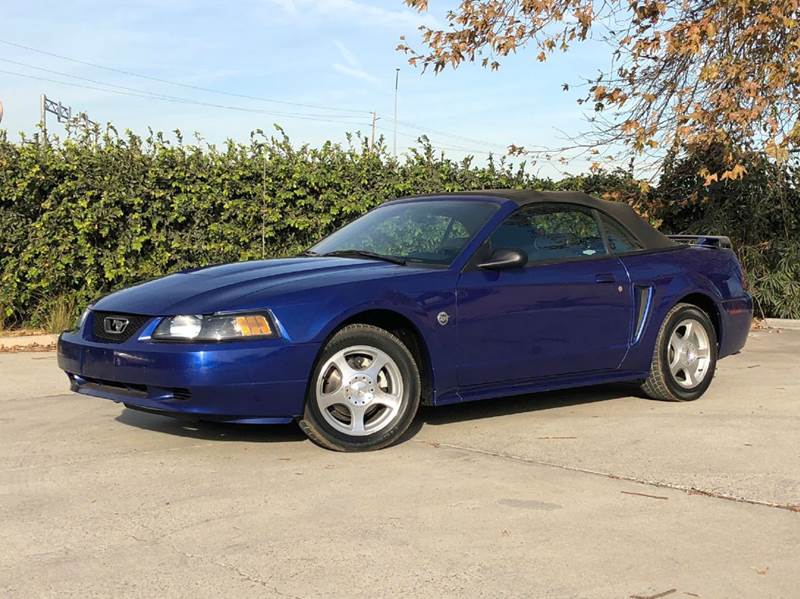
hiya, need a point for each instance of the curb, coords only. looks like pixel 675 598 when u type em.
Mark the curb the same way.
pixel 28 342
pixel 783 323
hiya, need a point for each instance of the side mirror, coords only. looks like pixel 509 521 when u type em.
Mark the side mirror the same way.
pixel 501 259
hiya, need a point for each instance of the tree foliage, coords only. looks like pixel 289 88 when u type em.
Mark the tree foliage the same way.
pixel 760 213
pixel 701 73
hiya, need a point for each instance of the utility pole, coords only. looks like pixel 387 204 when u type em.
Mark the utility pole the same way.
pixel 43 117
pixel 396 79
pixel 372 136
pixel 63 114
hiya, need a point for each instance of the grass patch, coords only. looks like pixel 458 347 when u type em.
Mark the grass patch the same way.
pixel 59 314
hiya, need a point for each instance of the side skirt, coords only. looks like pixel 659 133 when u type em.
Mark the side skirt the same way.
pixel 538 386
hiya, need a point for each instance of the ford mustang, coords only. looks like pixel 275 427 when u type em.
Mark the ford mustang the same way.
pixel 427 300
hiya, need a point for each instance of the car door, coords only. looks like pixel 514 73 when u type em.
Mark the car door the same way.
pixel 567 311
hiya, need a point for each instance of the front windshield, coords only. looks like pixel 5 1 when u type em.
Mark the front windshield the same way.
pixel 427 231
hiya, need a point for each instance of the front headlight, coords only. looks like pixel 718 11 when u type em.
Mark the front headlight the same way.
pixel 214 327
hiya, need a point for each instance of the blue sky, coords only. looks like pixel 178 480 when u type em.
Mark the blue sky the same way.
pixel 332 55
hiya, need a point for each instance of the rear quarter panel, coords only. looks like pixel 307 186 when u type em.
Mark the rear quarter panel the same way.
pixel 673 275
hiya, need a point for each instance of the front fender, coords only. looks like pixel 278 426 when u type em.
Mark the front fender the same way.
pixel 419 300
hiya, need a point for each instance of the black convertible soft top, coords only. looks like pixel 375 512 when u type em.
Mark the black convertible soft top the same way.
pixel 650 238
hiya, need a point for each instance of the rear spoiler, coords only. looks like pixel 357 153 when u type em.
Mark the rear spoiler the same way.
pixel 713 241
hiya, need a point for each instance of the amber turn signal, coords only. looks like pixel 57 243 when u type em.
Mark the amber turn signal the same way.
pixel 252 325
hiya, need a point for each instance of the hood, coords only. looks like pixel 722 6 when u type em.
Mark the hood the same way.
pixel 242 285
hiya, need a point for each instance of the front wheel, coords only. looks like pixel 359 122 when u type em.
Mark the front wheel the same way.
pixel 364 392
pixel 685 356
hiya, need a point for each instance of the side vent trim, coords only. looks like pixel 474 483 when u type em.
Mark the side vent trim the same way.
pixel 644 299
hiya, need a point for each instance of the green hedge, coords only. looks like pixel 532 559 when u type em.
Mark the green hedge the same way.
pixel 81 217
pixel 760 213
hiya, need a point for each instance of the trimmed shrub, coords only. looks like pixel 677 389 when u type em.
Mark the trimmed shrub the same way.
pixel 83 216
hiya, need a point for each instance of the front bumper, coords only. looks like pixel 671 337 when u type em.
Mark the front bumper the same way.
pixel 245 381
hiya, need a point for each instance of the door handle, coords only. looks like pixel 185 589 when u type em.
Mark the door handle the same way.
pixel 605 277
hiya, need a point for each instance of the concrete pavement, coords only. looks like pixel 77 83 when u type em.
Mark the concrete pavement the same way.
pixel 590 493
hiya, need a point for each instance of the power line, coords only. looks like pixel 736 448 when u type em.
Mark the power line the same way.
pixel 437 145
pixel 176 100
pixel 159 96
pixel 228 93
pixel 178 84
pixel 179 100
pixel 137 92
pixel 453 135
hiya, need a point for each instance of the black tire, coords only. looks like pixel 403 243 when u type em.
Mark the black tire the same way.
pixel 314 423
pixel 661 383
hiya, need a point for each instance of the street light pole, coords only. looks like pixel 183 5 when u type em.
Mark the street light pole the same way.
pixel 396 79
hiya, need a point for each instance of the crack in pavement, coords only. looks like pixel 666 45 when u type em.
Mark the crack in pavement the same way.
pixel 161 540
pixel 641 481
pixel 230 568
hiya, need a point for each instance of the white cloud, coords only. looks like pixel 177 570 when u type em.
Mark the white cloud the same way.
pixel 353 67
pixel 355 11
pixel 288 6
pixel 355 72
pixel 348 56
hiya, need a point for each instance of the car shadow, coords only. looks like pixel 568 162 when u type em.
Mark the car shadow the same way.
pixel 211 431
pixel 517 404
pixel 531 402
pixel 428 416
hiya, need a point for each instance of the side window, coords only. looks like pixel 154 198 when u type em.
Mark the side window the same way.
pixel 619 240
pixel 407 232
pixel 550 233
pixel 435 237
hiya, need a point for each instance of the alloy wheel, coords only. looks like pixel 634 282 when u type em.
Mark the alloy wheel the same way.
pixel 359 390
pixel 689 353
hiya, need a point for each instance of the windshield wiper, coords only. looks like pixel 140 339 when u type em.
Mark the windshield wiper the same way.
pixel 365 254
pixel 309 253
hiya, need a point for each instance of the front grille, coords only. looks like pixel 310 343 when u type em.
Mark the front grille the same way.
pixel 135 323
pixel 134 390
pixel 131 389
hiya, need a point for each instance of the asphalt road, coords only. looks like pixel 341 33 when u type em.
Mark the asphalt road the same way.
pixel 592 493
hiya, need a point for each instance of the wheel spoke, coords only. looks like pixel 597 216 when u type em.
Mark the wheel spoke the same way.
pixel 703 352
pixel 386 399
pixel 327 400
pixel 688 330
pixel 677 367
pixel 677 352
pixel 344 368
pixel 691 377
pixel 379 362
pixel 357 419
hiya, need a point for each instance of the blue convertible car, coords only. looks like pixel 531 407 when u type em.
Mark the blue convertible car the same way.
pixel 425 300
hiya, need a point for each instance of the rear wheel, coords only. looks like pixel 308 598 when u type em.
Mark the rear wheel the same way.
pixel 685 356
pixel 364 392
